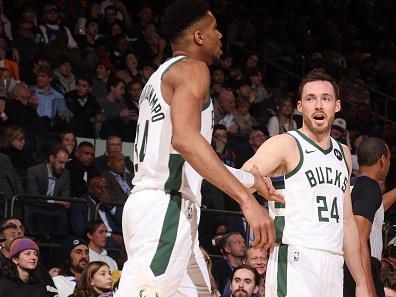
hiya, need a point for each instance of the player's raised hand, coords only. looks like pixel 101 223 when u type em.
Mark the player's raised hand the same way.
pixel 264 187
pixel 260 222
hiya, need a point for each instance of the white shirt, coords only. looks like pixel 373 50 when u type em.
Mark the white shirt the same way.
pixel 64 284
pixel 102 256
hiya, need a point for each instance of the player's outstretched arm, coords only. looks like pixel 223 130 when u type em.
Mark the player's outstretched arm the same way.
pixel 352 253
pixel 190 82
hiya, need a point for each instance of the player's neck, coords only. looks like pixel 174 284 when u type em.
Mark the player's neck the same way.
pixel 369 172
pixel 322 139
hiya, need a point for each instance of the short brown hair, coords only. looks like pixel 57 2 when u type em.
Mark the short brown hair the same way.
pixel 315 75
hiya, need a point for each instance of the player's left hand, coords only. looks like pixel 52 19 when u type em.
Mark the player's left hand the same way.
pixel 264 187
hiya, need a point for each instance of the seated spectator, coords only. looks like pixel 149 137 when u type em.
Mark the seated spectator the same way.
pixel 84 107
pixel 119 120
pixel 51 104
pixel 233 248
pixel 146 72
pixel 389 280
pixel 68 140
pixel 245 280
pixel 110 215
pixel 256 138
pixel 12 143
pixel 9 64
pixel 97 236
pixel 82 169
pixel 282 122
pixel 243 118
pixel 10 228
pixel 113 145
pixel 133 91
pixel 8 82
pixel 256 258
pixel 223 111
pixel 51 29
pixel 130 72
pixel 21 276
pixel 64 78
pixel 226 152
pixel 262 102
pixel 99 90
pixel 340 133
pixel 50 178
pixel 86 41
pixel 95 281
pixel 10 182
pixel 217 84
pixel 92 12
pixel 119 179
pixel 76 257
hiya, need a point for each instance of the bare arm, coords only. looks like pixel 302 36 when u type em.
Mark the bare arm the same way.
pixel 364 228
pixel 352 252
pixel 389 198
pixel 190 83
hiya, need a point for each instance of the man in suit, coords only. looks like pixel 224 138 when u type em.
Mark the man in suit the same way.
pixel 110 215
pixel 10 183
pixel 113 145
pixel 82 169
pixel 119 180
pixel 53 180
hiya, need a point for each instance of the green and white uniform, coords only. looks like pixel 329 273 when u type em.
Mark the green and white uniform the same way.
pixel 160 219
pixel 309 226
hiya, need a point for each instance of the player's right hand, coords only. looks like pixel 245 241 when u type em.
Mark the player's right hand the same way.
pixel 260 222
pixel 263 186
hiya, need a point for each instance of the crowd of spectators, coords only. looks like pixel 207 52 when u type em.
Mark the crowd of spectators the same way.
pixel 73 71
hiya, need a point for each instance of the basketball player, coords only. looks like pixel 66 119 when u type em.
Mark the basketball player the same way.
pixel 172 152
pixel 315 227
pixel 374 160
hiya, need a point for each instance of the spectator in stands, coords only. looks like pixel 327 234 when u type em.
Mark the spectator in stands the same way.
pixel 99 89
pixel 68 140
pixel 110 17
pixel 223 111
pixel 84 107
pixel 64 78
pixel 133 92
pixel 353 89
pixel 50 178
pixel 282 122
pixel 82 169
pixel 76 255
pixel 10 182
pixel 245 281
pixel 51 106
pixel 97 236
pixel 389 281
pixel 262 102
pixel 87 41
pixel 119 119
pixel 21 276
pixel 51 29
pixel 110 215
pixel 146 71
pixel 92 13
pixel 120 49
pixel 217 84
pixel 12 143
pixel 233 248
pixel 119 179
pixel 256 258
pixel 226 152
pixel 8 82
pixel 242 117
pixel 27 46
pixel 10 228
pixel 130 72
pixel 256 139
pixel 96 281
pixel 113 145
pixel 144 17
pixel 340 133
pixel 9 64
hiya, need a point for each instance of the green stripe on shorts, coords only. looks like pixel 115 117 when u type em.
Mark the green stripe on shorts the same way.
pixel 168 236
pixel 279 222
pixel 282 271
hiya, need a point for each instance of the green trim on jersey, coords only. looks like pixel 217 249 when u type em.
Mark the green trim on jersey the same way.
pixel 282 271
pixel 343 155
pixel 326 151
pixel 207 103
pixel 279 222
pixel 171 64
pixel 168 236
pixel 174 181
pixel 300 163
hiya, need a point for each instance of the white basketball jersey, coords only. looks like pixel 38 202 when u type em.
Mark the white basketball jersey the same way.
pixel 157 164
pixel 376 243
pixel 312 215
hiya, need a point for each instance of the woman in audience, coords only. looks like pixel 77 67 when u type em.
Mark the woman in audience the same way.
pixel 130 72
pixel 68 140
pixel 95 281
pixel 282 122
pixel 20 275
pixel 12 143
